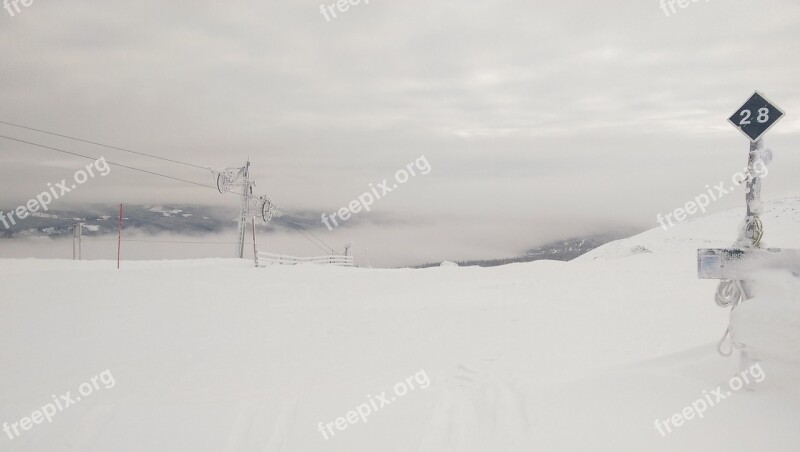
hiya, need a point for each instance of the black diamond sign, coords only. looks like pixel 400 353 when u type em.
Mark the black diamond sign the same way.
pixel 756 116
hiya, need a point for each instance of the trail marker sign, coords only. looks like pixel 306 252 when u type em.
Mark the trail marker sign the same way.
pixel 756 117
pixel 737 266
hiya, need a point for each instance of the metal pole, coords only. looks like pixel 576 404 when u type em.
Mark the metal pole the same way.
pixel 731 293
pixel 750 237
pixel 74 242
pixel 753 229
pixel 119 236
pixel 77 240
pixel 753 182
pixel 255 245
pixel 244 213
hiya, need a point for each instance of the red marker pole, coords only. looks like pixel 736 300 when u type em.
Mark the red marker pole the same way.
pixel 119 237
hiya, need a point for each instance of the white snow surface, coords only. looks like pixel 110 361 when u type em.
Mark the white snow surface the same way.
pixel 215 355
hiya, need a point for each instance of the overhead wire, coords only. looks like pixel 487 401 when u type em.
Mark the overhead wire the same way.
pixel 167 241
pixel 103 145
pixel 108 161
pixel 318 242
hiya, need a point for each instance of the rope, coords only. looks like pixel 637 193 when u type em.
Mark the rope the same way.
pixel 732 293
pixel 721 344
pixel 729 293
pixel 754 230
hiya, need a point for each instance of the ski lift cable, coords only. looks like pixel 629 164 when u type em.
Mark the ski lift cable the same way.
pixel 330 249
pixel 319 242
pixel 83 140
pixel 102 145
pixel 301 228
pixel 109 162
pixel 165 241
pixel 321 247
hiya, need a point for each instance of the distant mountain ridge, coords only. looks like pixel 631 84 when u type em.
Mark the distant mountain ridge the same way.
pixel 202 220
pixel 152 219
pixel 562 250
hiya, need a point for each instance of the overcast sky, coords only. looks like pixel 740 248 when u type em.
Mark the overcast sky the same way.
pixel 541 120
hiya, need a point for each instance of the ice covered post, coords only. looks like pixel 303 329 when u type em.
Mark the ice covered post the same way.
pixel 245 211
pixel 734 266
pixel 255 244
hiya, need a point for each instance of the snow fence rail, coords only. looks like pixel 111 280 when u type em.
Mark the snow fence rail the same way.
pixel 266 259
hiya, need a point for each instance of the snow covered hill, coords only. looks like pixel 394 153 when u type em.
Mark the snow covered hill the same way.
pixel 214 355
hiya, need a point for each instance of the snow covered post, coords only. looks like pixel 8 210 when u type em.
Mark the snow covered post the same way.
pixel 753 196
pixel 731 292
pixel 255 245
pixel 348 249
pixel 245 210
pixel 77 228
pixel 119 236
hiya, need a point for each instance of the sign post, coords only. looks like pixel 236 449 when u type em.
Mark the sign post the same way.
pixel 735 266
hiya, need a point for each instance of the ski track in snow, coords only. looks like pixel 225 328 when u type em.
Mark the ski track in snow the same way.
pixel 478 410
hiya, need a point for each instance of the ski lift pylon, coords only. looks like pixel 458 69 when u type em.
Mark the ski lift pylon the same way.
pixel 230 177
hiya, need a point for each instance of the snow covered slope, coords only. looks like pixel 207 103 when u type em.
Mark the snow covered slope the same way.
pixel 214 355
